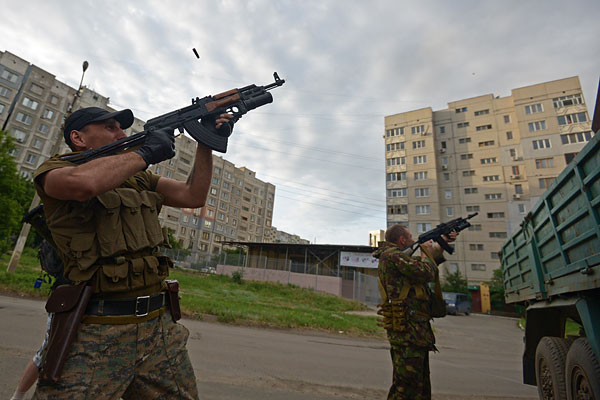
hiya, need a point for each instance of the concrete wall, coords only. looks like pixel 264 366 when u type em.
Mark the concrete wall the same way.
pixel 327 284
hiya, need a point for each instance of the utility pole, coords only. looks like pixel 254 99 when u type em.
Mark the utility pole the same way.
pixel 18 250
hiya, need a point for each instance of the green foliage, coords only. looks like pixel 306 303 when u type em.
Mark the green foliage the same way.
pixel 27 271
pixel 497 290
pixel 454 282
pixel 174 243
pixel 238 276
pixel 15 194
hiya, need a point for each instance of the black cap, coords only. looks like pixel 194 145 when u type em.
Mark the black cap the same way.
pixel 85 116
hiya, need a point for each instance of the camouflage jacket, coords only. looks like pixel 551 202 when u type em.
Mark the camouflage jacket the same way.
pixel 404 281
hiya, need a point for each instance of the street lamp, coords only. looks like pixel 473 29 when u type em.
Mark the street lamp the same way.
pixel 18 250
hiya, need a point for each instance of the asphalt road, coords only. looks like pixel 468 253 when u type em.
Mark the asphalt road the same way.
pixel 479 358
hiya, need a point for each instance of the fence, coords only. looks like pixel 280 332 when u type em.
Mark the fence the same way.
pixel 350 284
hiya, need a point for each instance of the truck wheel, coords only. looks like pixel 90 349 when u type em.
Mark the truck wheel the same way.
pixel 583 372
pixel 550 358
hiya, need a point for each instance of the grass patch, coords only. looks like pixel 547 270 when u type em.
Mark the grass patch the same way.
pixel 231 301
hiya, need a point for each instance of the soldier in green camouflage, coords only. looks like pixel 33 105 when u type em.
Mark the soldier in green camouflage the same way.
pixel 406 310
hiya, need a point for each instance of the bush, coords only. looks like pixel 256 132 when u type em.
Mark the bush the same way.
pixel 238 276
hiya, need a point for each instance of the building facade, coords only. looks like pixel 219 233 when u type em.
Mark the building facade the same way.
pixel 491 155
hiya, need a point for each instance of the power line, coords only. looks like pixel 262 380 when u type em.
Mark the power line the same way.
pixel 335 201
pixel 333 208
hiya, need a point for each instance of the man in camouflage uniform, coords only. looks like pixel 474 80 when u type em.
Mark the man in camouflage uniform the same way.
pixel 406 297
pixel 103 216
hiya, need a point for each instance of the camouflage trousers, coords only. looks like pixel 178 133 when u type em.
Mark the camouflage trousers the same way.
pixel 147 360
pixel 410 379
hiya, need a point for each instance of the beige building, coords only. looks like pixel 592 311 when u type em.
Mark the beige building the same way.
pixel 488 154
pixel 239 206
pixel 375 237
pixel 32 108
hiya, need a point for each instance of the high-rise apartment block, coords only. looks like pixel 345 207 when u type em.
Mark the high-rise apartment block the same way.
pixel 239 206
pixel 490 155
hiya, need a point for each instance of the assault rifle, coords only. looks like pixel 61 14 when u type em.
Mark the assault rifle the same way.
pixel 456 225
pixel 198 120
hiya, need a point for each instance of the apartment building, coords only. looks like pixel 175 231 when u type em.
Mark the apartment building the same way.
pixel 32 108
pixel 239 206
pixel 488 154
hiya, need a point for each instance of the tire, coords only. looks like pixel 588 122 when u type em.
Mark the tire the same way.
pixel 550 357
pixel 582 372
pixel 466 312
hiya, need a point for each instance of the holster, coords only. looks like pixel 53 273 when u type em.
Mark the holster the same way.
pixel 173 293
pixel 68 304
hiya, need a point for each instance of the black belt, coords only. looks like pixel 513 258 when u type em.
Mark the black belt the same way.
pixel 139 306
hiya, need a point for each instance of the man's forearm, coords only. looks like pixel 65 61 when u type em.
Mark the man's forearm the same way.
pixel 88 180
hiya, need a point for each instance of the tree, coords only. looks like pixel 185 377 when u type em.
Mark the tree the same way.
pixel 497 290
pixel 15 194
pixel 454 282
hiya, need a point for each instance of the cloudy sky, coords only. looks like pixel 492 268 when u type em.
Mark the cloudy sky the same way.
pixel 346 63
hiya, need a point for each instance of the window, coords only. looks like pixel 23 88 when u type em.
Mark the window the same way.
pixel 394 132
pixel 447 176
pixel 37 89
pixel 577 137
pixel 207 223
pixel 213 191
pixel 515 169
pixel 498 235
pixel 48 114
pixel 4 92
pixel 396 161
pixel 475 227
pixel 423 210
pixel 495 215
pixel 491 178
pixel 37 143
pixel 419 144
pixel 24 118
pixel 572 118
pixel 481 112
pixel 420 176
pixel 518 189
pixel 541 144
pixel 421 228
pixel 43 128
pixel 477 267
pixel 462 124
pixel 461 110
pixel 447 194
pixel 9 76
pixel 19 135
pixel 227 175
pixel 471 190
pixel 509 135
pixel 522 209
pixel 217 170
pixel 419 159
pixel 537 126
pixel 491 160
pixel 472 208
pixel 470 172
pixel 545 182
pixel 486 143
pixel 396 176
pixel 507 119
pixel 449 211
pixel 422 192
pixel 476 246
pixel 442 130
pixel 27 102
pixel 483 127
pixel 169 174
pixel 31 159
pixel 464 140
pixel 53 100
pixel 512 153
pixel 493 196
pixel 394 146
pixel 466 156
pixel 397 192
pixel 534 108
pixel 569 100
pixel 398 209
pixel 417 129
pixel 1 108
pixel 544 163
pixel 215 181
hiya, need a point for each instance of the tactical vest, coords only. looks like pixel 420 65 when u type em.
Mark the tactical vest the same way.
pixel 112 240
pixel 396 312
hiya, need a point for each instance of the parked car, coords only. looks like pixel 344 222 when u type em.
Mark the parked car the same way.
pixel 457 303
